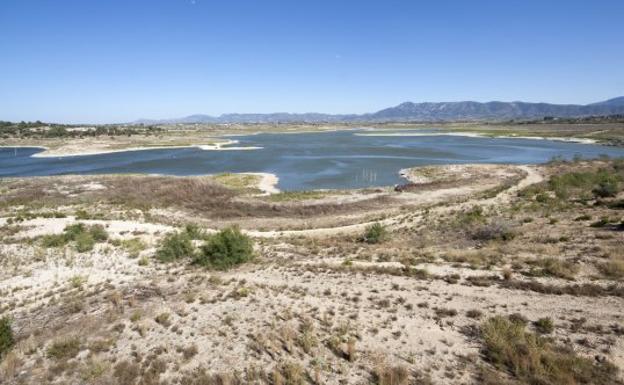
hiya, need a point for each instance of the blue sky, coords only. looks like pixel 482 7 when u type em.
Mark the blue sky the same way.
pixel 116 61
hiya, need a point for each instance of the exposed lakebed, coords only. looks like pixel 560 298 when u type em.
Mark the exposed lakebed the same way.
pixel 302 161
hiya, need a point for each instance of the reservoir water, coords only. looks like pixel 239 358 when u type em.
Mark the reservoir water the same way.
pixel 332 160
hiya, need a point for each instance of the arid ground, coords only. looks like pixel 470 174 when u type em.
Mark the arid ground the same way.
pixel 469 274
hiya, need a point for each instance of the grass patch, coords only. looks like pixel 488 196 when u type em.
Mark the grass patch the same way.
pixel 534 360
pixel 84 237
pixel 133 246
pixel 553 267
pixel 64 349
pixel 245 182
pixel 290 196
pixel 612 269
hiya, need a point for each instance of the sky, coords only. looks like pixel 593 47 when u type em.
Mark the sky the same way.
pixel 106 61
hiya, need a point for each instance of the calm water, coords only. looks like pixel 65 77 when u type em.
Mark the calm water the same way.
pixel 339 159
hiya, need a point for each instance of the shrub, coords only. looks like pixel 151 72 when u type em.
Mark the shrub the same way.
pixel 194 232
pixel 98 232
pixel 6 336
pixel 555 268
pixel 53 240
pixel 84 242
pixel 227 248
pixel 544 325
pixel 72 231
pixel 64 348
pixel 175 246
pixel 533 359
pixel 602 222
pixel 84 237
pixel 133 246
pixel 391 375
pixel 606 189
pixel 612 269
pixel 375 233
pixel 495 230
pixel 475 214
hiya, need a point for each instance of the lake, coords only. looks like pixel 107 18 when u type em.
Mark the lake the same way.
pixel 330 160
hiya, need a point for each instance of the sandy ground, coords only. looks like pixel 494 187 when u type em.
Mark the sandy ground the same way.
pixel 306 300
pixel 478 135
pixel 102 148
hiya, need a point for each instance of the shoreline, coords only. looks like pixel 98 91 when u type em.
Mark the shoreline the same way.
pixel 268 182
pixel 47 153
pixel 220 146
pixel 480 135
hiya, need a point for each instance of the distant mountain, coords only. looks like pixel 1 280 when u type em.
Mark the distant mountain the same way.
pixel 615 102
pixel 430 112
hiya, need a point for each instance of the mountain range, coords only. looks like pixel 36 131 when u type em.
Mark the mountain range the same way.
pixel 423 112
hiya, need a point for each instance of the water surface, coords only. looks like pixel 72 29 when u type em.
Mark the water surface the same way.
pixel 337 159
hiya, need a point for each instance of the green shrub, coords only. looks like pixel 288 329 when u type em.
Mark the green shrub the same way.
pixel 84 242
pixel 544 325
pixel 85 237
pixel 225 249
pixel 474 215
pixel 133 246
pixel 72 231
pixel 6 336
pixel 53 240
pixel 175 246
pixel 606 189
pixel 375 233
pixel 82 214
pixel 98 232
pixel 194 232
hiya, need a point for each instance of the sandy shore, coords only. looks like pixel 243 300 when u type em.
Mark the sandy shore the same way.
pixel 69 150
pixel 268 183
pixel 478 135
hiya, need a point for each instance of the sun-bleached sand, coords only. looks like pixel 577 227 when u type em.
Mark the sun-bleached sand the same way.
pixel 478 135
pixel 69 151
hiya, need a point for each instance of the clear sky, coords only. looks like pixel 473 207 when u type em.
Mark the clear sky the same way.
pixel 120 60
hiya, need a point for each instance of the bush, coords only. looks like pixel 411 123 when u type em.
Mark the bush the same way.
pixel 606 189
pixel 84 236
pixel 175 246
pixel 84 242
pixel 227 248
pixel 496 230
pixel 375 233
pixel 194 232
pixel 612 269
pixel 72 231
pixel 6 336
pixel 64 348
pixel 553 267
pixel 533 359
pixel 544 325
pixel 98 232
pixel 53 240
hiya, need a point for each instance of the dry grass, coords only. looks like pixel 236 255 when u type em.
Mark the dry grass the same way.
pixel 534 360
